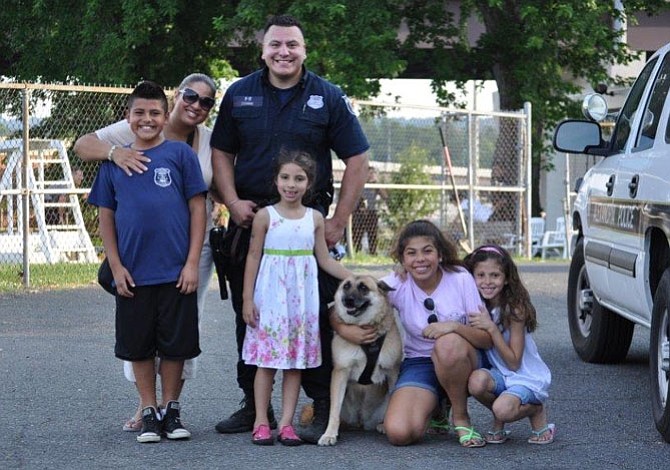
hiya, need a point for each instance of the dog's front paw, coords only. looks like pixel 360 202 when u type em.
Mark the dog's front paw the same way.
pixel 380 428
pixel 328 440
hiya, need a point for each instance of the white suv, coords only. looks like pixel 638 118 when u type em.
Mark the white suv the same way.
pixel 620 271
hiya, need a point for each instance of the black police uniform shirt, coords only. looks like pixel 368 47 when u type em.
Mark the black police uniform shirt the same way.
pixel 256 120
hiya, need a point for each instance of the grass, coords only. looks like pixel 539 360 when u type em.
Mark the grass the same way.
pixel 362 259
pixel 69 275
pixel 47 276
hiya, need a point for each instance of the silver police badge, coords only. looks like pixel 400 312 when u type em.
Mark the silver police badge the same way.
pixel 162 177
pixel 315 101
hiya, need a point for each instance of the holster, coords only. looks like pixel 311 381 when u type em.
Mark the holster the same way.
pixel 216 242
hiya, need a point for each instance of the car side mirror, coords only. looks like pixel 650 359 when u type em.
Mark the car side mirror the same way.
pixel 574 136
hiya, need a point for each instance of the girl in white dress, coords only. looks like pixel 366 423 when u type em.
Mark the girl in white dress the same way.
pixel 516 385
pixel 281 294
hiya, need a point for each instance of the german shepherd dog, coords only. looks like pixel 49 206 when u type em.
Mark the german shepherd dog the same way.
pixel 367 373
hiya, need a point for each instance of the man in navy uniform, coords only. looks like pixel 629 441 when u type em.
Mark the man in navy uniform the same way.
pixel 284 106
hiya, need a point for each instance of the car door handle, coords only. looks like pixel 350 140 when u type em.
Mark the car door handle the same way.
pixel 610 185
pixel 632 186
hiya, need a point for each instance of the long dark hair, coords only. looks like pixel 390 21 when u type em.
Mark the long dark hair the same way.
pixel 305 161
pixel 515 301
pixel 447 251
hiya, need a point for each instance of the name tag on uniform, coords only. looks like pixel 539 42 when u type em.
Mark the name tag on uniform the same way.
pixel 247 101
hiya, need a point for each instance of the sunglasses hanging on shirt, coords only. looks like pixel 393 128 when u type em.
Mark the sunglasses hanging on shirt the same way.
pixel 429 304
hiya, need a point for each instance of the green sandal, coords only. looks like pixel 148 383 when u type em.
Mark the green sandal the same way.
pixel 439 426
pixel 471 439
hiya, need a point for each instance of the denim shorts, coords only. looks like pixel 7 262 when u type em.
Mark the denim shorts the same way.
pixel 526 395
pixel 420 372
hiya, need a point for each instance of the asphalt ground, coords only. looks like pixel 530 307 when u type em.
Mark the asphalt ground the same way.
pixel 63 399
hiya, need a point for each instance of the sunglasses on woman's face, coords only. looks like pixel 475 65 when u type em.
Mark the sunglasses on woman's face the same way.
pixel 429 304
pixel 191 96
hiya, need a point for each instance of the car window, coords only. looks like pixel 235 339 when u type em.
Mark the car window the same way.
pixel 652 113
pixel 625 120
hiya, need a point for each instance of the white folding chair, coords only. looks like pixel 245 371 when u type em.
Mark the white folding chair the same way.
pixel 536 233
pixel 554 240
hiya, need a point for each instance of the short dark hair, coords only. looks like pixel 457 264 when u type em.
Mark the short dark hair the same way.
pixel 148 90
pixel 285 21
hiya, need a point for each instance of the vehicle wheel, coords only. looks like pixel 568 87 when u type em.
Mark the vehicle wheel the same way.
pixel 598 334
pixel 659 357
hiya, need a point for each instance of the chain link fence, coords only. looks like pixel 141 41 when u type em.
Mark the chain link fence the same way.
pixel 429 163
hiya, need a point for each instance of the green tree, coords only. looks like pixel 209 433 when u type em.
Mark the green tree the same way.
pixel 94 41
pixel 536 51
pixel 403 206
pixel 353 43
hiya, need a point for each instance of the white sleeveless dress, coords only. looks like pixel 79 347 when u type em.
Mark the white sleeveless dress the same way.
pixel 532 373
pixel 287 298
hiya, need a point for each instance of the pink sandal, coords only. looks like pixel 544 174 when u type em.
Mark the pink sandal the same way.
pixel 133 425
pixel 288 437
pixel 262 436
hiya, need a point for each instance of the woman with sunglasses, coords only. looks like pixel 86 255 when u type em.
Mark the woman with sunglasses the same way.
pixel 433 294
pixel 192 103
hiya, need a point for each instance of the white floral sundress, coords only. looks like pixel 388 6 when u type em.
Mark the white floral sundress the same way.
pixel 287 298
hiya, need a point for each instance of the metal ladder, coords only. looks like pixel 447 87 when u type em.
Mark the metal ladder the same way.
pixel 53 242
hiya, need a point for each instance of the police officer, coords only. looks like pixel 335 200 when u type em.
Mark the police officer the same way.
pixel 284 105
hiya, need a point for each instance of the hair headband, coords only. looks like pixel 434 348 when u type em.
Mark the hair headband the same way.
pixel 491 249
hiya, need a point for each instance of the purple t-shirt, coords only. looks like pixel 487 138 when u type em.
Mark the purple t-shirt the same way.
pixel 454 298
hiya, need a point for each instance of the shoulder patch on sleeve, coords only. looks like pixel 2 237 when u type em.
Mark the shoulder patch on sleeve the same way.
pixel 347 102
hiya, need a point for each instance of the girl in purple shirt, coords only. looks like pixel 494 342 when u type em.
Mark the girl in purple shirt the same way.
pixel 433 296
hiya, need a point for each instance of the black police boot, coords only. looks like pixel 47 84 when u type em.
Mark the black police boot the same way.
pixel 312 432
pixel 243 419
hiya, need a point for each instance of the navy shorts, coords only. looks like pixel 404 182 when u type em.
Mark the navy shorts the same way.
pixel 158 321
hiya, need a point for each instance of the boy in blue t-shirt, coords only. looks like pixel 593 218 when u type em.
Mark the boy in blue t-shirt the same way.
pixel 152 226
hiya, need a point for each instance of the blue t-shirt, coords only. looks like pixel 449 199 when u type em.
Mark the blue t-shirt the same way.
pixel 255 122
pixel 151 210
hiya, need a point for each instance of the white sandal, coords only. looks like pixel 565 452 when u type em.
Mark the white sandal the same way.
pixel 497 437
pixel 536 438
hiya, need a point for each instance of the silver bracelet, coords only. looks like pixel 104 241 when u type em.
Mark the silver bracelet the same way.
pixel 110 154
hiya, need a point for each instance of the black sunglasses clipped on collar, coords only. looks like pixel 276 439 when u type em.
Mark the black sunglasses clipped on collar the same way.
pixel 429 305
pixel 191 96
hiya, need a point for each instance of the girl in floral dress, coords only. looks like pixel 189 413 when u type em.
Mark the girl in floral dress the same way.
pixel 281 294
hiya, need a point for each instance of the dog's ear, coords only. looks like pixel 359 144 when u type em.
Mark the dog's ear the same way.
pixel 384 287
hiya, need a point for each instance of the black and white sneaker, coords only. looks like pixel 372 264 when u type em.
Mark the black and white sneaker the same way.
pixel 172 427
pixel 151 426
